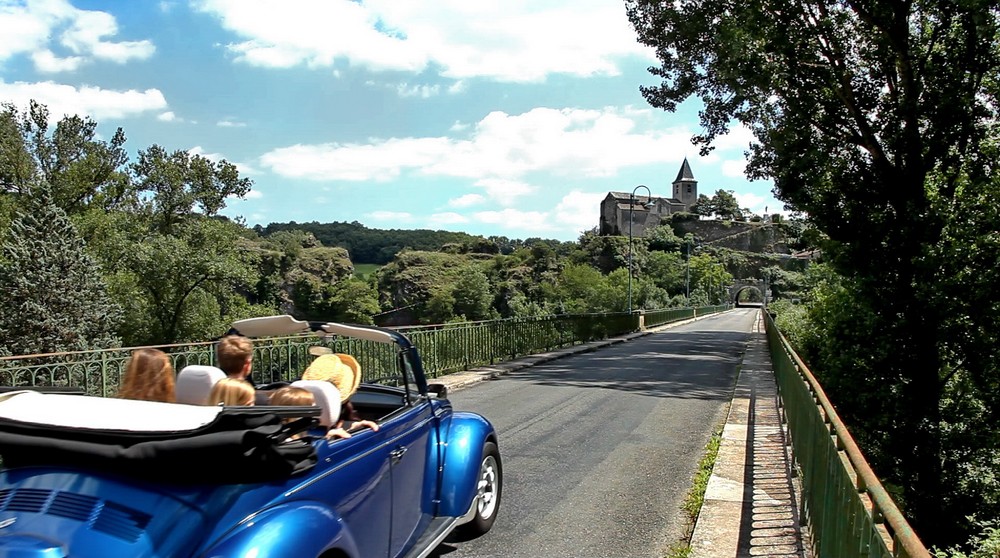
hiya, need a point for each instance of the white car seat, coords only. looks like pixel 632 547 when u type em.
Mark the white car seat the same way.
pixel 327 398
pixel 195 382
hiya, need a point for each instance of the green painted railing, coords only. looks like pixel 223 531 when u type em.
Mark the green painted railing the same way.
pixel 850 513
pixel 443 348
pixel 653 318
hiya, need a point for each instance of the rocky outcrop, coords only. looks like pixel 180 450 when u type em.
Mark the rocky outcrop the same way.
pixel 759 238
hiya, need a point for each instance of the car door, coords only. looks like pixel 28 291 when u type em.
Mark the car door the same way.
pixel 357 484
pixel 413 472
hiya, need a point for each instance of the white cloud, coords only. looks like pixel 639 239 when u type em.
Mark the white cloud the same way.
pixel 506 41
pixel 244 169
pixel 534 221
pixel 467 200
pixel 422 91
pixel 578 210
pixel 30 29
pixel 734 169
pixel 168 116
pixel 380 161
pixel 739 137
pixel 95 102
pixel 200 151
pixel 503 191
pixel 567 142
pixel 444 219
pixel 86 36
pixel 751 201
pixel 47 62
pixel 230 124
pixel 391 216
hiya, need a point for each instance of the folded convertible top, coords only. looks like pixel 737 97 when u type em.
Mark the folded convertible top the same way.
pixel 163 442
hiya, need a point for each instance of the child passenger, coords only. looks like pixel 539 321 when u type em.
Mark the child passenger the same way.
pixel 292 397
pixel 344 372
pixel 231 392
pixel 149 376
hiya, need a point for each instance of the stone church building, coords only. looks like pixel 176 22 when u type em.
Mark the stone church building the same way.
pixel 615 206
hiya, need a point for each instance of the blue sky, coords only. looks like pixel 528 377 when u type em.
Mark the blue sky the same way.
pixel 510 118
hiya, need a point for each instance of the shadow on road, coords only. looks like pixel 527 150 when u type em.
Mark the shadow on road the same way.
pixel 697 365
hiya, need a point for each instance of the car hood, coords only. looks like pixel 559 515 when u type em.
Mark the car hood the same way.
pixel 53 513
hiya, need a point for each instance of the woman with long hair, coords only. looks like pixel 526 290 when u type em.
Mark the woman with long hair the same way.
pixel 149 376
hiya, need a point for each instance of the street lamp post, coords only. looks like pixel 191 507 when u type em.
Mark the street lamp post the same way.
pixel 631 206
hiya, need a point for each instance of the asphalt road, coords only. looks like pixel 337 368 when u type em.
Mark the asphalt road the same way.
pixel 599 448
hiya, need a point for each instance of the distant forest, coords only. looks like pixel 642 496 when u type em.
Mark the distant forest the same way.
pixel 380 246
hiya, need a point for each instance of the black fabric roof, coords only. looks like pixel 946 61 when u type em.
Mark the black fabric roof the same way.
pixel 238 447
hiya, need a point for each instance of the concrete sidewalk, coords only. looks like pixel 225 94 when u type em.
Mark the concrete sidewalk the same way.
pixel 750 506
pixel 751 502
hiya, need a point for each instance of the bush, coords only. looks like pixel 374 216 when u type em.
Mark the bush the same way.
pixel 984 545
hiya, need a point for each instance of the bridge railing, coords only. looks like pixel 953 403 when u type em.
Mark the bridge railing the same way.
pixel 850 513
pixel 443 349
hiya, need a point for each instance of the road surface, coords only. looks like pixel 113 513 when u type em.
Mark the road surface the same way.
pixel 599 448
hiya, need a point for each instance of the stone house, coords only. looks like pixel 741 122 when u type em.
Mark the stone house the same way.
pixel 618 207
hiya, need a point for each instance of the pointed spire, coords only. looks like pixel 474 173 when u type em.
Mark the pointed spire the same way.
pixel 685 172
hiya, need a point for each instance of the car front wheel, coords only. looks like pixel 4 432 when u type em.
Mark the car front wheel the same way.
pixel 488 491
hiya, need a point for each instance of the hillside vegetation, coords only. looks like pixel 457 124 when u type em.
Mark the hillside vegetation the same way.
pixel 171 269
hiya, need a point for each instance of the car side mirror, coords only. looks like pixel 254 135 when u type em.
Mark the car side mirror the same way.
pixel 440 390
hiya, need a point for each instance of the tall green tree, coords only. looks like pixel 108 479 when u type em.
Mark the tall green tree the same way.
pixel 53 296
pixel 186 278
pixel 354 301
pixel 80 168
pixel 473 295
pixel 181 184
pixel 666 271
pixel 725 206
pixel 868 115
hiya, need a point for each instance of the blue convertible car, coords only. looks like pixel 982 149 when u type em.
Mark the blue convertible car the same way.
pixel 95 477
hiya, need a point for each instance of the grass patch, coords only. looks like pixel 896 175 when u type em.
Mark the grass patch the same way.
pixel 363 270
pixel 679 550
pixel 696 496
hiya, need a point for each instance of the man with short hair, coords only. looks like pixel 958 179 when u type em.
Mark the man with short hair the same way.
pixel 235 355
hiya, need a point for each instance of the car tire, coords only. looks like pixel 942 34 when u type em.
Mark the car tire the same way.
pixel 489 484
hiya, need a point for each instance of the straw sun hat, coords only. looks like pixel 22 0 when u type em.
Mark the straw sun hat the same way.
pixel 343 371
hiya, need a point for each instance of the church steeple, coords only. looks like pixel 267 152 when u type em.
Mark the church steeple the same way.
pixel 685 172
pixel 685 186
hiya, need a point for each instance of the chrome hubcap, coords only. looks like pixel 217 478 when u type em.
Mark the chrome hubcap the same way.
pixel 487 488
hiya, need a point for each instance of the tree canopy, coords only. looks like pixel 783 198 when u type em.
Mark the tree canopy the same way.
pixel 723 205
pixel 876 118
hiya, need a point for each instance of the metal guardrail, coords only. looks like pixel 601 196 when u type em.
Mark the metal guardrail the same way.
pixel 443 349
pixel 850 513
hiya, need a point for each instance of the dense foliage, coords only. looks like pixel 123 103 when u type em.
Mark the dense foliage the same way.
pixel 148 235
pixel 876 118
pixel 45 273
pixel 372 245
